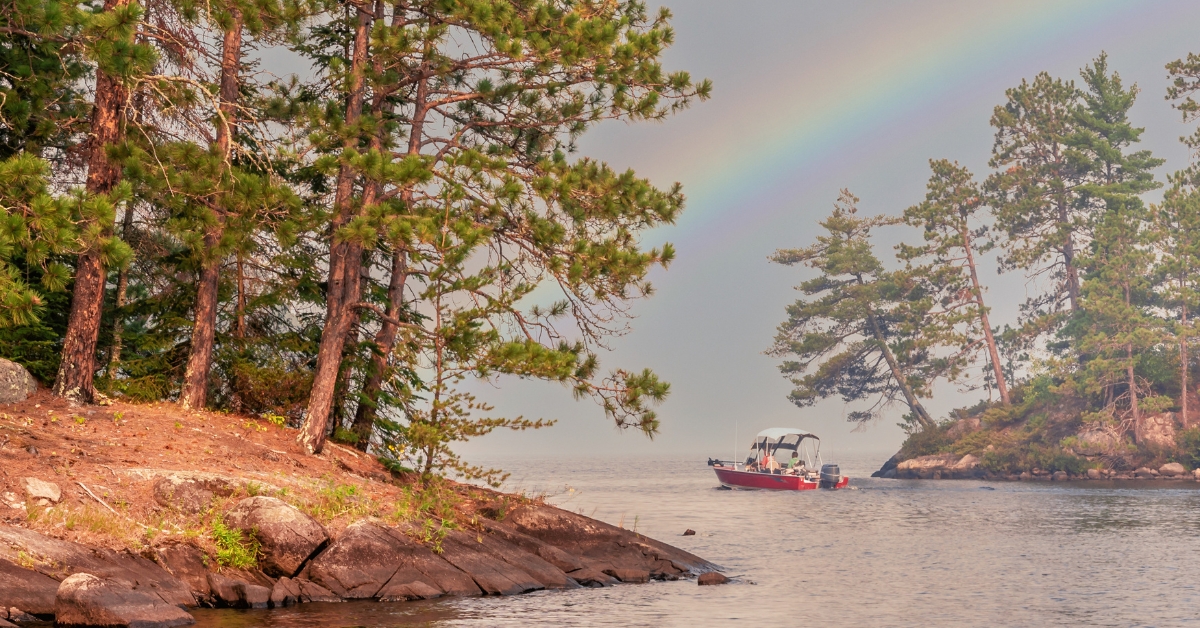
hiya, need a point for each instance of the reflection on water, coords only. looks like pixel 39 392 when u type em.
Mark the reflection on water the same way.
pixel 891 553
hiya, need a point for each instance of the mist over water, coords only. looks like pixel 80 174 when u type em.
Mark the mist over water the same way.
pixel 888 553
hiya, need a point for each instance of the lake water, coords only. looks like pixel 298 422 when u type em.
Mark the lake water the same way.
pixel 886 553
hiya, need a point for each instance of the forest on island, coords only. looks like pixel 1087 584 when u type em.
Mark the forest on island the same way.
pixel 329 213
pixel 1099 368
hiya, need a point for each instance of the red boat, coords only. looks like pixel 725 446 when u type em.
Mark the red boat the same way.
pixel 782 459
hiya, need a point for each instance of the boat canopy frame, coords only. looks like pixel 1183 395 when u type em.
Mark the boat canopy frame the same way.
pixel 771 440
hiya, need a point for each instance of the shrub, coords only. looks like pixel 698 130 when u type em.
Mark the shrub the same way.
pixel 233 548
pixel 926 442
pixel 1187 445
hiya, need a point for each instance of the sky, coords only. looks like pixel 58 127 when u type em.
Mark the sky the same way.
pixel 809 98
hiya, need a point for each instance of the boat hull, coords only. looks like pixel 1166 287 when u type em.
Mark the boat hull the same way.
pixel 768 481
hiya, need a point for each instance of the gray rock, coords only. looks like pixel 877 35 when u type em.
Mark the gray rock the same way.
pixel 631 576
pixel 16 384
pixel 1025 475
pixel 368 558
pixel 1143 472
pixel 1093 474
pixel 26 590
pixel 4 623
pixel 238 593
pixel 493 575
pixel 1172 469
pixel 285 593
pixel 711 578
pixel 288 537
pixel 591 577
pixel 60 558
pixel 41 492
pixel 187 563
pixel 86 600
pixel 1060 476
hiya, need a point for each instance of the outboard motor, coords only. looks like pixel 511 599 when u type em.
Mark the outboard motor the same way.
pixel 831 474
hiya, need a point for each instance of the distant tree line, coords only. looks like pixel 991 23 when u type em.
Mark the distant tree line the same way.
pixel 183 218
pixel 1115 280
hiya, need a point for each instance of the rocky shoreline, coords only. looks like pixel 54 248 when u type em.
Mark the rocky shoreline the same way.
pixel 532 547
pixel 952 467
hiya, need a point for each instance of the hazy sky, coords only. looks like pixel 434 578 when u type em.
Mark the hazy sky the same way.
pixel 811 97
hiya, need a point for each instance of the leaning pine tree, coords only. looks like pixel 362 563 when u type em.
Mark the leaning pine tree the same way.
pixel 858 331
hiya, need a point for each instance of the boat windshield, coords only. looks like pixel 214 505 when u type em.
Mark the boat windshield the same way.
pixel 781 449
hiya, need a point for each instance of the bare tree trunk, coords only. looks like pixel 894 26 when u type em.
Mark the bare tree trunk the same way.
pixel 114 358
pixel 239 330
pixel 385 342
pixel 345 258
pixel 1069 261
pixel 1183 368
pixel 204 330
pixel 993 351
pixel 910 397
pixel 1133 396
pixel 78 367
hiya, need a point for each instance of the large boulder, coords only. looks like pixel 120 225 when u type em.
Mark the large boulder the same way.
pixel 288 537
pixel 1097 440
pixel 87 600
pixel 1159 430
pixel 1172 469
pixel 962 427
pixel 58 559
pixel 371 560
pixel 26 590
pixel 16 384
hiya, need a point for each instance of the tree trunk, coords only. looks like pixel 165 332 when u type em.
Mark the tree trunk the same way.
pixel 195 378
pixel 1069 261
pixel 114 358
pixel 239 330
pixel 1133 396
pixel 345 258
pixel 78 367
pixel 910 397
pixel 385 342
pixel 993 351
pixel 1183 368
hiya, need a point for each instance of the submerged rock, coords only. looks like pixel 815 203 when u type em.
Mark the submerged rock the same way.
pixel 86 600
pixel 712 577
pixel 288 536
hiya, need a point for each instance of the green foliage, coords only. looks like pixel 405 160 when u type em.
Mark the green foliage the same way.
pixel 926 442
pixel 234 549
pixel 1187 444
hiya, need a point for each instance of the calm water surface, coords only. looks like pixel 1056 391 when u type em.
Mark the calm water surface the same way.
pixel 887 553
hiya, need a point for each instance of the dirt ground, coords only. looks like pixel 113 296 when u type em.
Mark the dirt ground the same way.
pixel 106 459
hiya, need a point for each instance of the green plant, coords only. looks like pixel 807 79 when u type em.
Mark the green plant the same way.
pixel 278 420
pixel 234 549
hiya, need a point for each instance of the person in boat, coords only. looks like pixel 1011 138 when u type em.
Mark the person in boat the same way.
pixel 770 464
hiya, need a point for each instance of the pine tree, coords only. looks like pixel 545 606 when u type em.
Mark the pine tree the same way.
pixel 500 120
pixel 1114 325
pixel 953 240
pixel 119 59
pixel 857 332
pixel 1034 193
pixel 1175 237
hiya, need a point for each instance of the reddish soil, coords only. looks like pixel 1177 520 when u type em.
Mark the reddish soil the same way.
pixel 116 450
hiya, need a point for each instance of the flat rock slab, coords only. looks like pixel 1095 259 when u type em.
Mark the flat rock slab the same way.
pixel 41 492
pixel 189 494
pixel 288 537
pixel 59 559
pixel 542 571
pixel 26 590
pixel 86 600
pixel 369 558
pixel 493 575
pixel 16 383
pixel 604 546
